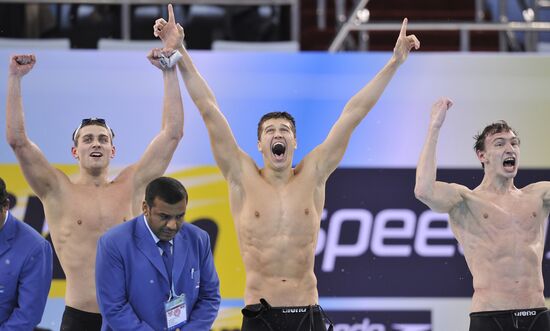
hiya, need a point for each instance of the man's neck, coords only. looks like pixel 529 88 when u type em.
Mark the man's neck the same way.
pixel 95 178
pixel 277 176
pixel 497 184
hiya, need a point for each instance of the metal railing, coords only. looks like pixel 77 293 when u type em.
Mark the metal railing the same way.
pixel 354 22
pixel 463 28
pixel 125 8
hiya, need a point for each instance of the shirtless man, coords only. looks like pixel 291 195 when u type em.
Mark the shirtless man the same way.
pixel 277 209
pixel 500 227
pixel 80 209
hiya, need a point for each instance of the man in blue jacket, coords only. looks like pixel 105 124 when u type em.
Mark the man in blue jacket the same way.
pixel 25 271
pixel 155 272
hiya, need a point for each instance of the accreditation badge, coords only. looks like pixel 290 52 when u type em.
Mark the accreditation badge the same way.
pixel 176 311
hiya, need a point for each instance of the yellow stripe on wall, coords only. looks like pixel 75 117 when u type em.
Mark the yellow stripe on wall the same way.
pixel 57 290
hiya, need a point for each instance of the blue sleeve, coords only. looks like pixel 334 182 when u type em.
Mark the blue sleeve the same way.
pixel 206 308
pixel 111 290
pixel 33 287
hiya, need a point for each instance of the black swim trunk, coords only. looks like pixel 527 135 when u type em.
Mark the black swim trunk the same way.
pixel 263 317
pixel 78 320
pixel 536 319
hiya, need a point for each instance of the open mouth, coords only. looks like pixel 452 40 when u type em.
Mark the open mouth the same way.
pixel 509 163
pixel 278 149
pixel 96 154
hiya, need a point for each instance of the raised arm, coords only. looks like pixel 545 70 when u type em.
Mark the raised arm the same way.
pixel 41 176
pixel 158 154
pixel 439 196
pixel 227 153
pixel 328 155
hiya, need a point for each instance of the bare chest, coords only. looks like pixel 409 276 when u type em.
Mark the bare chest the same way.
pixel 90 210
pixel 292 211
pixel 503 218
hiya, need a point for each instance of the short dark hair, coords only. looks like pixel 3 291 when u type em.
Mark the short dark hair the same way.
pixel 3 194
pixel 497 127
pixel 92 121
pixel 277 114
pixel 167 189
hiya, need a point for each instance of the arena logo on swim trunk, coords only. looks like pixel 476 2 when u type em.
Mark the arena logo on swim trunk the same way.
pixel 381 320
pixel 525 313
pixel 377 239
pixel 293 310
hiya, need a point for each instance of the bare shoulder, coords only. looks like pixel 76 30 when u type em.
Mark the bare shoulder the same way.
pixel 127 174
pixel 60 184
pixel 537 187
pixel 61 177
pixel 464 202
pixel 314 156
pixel 449 197
pixel 247 161
pixel 461 189
pixel 311 164
pixel 58 196
pixel 306 168
pixel 540 190
pixel 247 172
pixel 127 179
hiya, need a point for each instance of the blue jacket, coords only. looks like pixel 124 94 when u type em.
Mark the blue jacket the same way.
pixel 132 282
pixel 25 275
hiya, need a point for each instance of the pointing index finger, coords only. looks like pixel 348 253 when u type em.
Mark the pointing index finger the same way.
pixel 170 13
pixel 403 32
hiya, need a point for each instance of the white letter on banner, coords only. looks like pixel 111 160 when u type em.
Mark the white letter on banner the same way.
pixel 333 249
pixel 424 233
pixel 381 232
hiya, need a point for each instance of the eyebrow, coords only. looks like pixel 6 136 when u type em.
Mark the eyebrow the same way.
pixel 171 215
pixel 272 125
pixel 505 139
pixel 89 135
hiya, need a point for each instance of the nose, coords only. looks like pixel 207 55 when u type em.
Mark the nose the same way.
pixel 171 224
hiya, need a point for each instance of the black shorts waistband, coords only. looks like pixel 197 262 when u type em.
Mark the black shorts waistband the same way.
pixel 285 309
pixel 279 318
pixel 81 313
pixel 516 312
